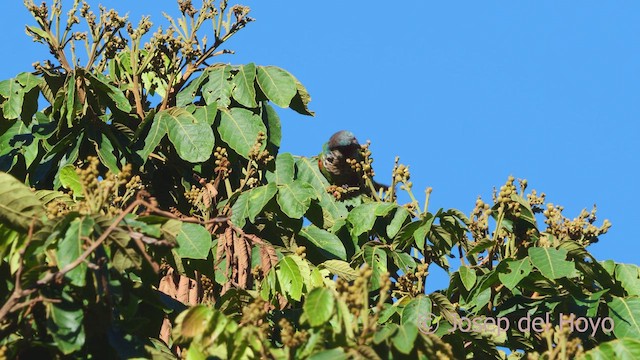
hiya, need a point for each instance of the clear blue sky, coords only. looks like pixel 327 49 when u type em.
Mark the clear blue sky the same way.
pixel 466 93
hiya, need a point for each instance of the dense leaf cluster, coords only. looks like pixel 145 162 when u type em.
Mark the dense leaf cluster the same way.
pixel 146 211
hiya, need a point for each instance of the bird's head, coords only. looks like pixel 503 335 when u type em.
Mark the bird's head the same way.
pixel 341 139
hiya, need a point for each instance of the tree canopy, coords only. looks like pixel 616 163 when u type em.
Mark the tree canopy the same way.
pixel 147 212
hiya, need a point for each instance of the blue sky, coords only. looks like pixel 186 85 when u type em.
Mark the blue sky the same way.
pixel 466 93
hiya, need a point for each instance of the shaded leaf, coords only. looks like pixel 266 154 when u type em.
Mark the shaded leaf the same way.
pixel 324 240
pixel 277 84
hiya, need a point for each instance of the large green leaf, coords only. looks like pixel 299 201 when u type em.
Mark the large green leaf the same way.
pixel 418 311
pixel 619 349
pixel 239 128
pixel 294 198
pixel 19 207
pixel 240 209
pixel 218 87
pixel 13 94
pixel 397 222
pixel 325 241
pixel 72 246
pixel 277 84
pixel 512 271
pixel 259 198
pixel 629 276
pixel 194 241
pixel 301 100
pixel 71 180
pixel 625 313
pixel 364 216
pixel 193 139
pixel 66 326
pixel 157 131
pixel 340 268
pixel 206 114
pixel 101 83
pixel 189 93
pixel 272 119
pixel 467 276
pixel 285 169
pixel 376 258
pixel 318 306
pixel 244 91
pixel 405 338
pixel 332 210
pixel 552 262
pixel 290 277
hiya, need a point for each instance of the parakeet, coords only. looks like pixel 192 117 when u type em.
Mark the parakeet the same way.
pixel 333 164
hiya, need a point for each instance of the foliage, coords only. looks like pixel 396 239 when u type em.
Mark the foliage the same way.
pixel 147 212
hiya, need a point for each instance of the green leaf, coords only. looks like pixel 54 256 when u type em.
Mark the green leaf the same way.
pixel 290 278
pixel 101 83
pixel 404 261
pixel 417 311
pixel 240 209
pixel 72 246
pixel 330 354
pixel 29 81
pixel 385 332
pixel 157 131
pixel 551 262
pixel 193 139
pixel 325 241
pixel 13 93
pixel 218 87
pixel 285 169
pixel 189 93
pixel 273 122
pixel 340 268
pixel 38 34
pixel 332 210
pixel 70 102
pixel 239 128
pixel 259 197
pixel 619 349
pixel 625 313
pixel 195 321
pixel 404 339
pixel 397 222
pixel 71 180
pixel 244 91
pixel 65 326
pixel 629 276
pixel 19 207
pixel 467 276
pixel 294 198
pixel 301 100
pixel 364 216
pixel 513 271
pixel 481 246
pixel 194 241
pixel 277 84
pixel 318 306
pixel 206 114
pixel 376 258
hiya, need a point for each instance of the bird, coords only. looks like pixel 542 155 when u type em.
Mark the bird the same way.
pixel 333 164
